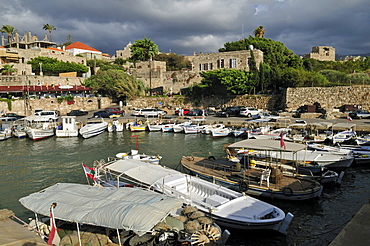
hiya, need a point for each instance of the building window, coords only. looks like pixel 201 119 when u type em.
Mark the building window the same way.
pixel 233 63
pixel 205 66
pixel 210 66
pixel 220 63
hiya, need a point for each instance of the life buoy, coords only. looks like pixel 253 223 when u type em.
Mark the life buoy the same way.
pixel 211 158
pixel 243 186
pixel 287 191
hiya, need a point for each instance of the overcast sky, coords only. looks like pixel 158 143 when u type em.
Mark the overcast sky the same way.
pixel 187 26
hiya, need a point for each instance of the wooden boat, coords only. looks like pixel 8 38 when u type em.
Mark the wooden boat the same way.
pixel 38 131
pixel 221 132
pixel 264 182
pixel 126 215
pixel 93 127
pixel 229 208
pixel 69 127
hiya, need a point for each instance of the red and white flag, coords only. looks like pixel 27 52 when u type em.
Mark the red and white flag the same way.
pixel 349 118
pixel 90 172
pixel 54 238
pixel 282 143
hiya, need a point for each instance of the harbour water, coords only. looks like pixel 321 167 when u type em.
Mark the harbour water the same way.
pixel 28 166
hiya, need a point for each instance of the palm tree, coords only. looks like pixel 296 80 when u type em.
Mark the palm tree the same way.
pixel 50 28
pixel 8 69
pixel 259 32
pixel 8 29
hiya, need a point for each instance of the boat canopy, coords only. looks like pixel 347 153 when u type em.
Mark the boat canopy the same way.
pixel 135 169
pixel 124 208
pixel 268 144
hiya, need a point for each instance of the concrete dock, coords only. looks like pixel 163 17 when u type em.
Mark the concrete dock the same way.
pixel 357 231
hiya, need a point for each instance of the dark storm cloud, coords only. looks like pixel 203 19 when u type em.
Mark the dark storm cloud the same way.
pixel 185 26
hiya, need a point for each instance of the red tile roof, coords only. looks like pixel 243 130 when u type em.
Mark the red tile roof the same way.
pixel 79 45
pixel 52 48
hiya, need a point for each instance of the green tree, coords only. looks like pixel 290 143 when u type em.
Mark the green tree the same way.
pixel 173 61
pixel 115 83
pixel 143 50
pixel 53 65
pixel 234 81
pixel 259 32
pixel 103 65
pixel 9 30
pixel 49 28
pixel 8 69
pixel 119 61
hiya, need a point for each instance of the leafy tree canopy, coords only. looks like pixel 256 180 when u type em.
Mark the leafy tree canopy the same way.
pixel 233 81
pixel 173 61
pixel 54 65
pixel 103 65
pixel 143 50
pixel 115 83
pixel 7 69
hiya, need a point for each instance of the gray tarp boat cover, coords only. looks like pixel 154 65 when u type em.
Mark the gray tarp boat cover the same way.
pixel 118 208
pixel 267 144
pixel 135 169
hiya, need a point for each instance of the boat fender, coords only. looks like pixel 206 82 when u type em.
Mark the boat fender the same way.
pixel 243 186
pixel 211 158
pixel 287 191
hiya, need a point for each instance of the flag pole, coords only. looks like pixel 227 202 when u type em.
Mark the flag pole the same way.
pixel 87 179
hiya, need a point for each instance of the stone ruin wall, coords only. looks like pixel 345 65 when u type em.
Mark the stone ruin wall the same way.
pixel 330 98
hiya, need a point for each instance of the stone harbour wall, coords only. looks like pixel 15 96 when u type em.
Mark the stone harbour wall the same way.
pixel 330 98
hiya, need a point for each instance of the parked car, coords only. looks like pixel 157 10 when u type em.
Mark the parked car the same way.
pixel 105 114
pixel 116 110
pixel 359 114
pixel 13 115
pixel 44 116
pixel 249 111
pixel 77 113
pixel 195 112
pixel 148 112
pixel 185 111
pixel 230 111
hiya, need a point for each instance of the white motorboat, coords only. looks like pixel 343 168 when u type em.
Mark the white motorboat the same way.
pixel 167 127
pixel 229 208
pixel 207 129
pixel 155 127
pixel 93 128
pixel 180 127
pixel 5 127
pixel 69 127
pixel 144 215
pixel 191 129
pixel 115 126
pixel 18 129
pixel 134 154
pixel 37 131
pixel 271 134
pixel 221 132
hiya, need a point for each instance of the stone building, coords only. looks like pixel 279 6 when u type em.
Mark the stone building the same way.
pixel 228 60
pixel 124 54
pixel 322 53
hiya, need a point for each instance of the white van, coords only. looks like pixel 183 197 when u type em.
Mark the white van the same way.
pixel 52 115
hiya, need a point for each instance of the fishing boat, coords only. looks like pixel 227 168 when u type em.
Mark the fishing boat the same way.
pixel 302 162
pixel 6 127
pixel 167 127
pixel 38 131
pixel 18 129
pixel 93 127
pixel 221 132
pixel 267 181
pixel 126 216
pixel 115 126
pixel 69 127
pixel 136 126
pixel 229 208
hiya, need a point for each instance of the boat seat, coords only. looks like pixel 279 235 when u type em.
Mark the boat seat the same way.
pixel 216 200
pixel 265 177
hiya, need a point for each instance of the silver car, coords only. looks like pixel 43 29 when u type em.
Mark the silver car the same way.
pixel 148 112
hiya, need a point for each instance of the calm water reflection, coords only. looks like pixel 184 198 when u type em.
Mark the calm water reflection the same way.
pixel 27 166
